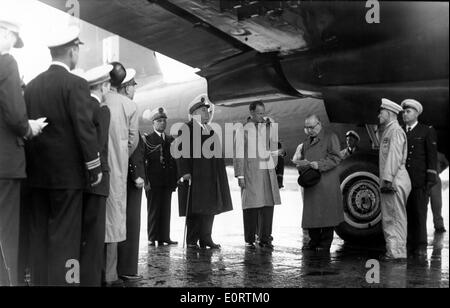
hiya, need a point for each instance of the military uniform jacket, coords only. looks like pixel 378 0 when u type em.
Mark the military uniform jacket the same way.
pixel 102 117
pixel 13 121
pixel 422 155
pixel 68 146
pixel 210 192
pixel 160 166
pixel 136 168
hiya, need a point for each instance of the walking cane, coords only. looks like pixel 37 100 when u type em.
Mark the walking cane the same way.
pixel 8 274
pixel 187 208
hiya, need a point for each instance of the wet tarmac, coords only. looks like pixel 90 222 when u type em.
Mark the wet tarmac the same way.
pixel 286 265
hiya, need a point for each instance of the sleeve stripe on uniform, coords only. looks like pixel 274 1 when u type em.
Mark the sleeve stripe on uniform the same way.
pixel 93 164
pixel 432 171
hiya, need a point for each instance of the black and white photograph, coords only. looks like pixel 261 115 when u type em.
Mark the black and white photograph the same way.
pixel 220 151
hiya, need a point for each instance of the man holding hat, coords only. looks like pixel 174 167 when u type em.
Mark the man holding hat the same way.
pixel 124 122
pixel 352 140
pixel 209 192
pixel 422 169
pixel 322 202
pixel 94 199
pixel 394 180
pixel 61 163
pixel 14 126
pixel 161 171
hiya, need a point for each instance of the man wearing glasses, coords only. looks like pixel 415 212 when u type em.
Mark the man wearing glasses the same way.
pixel 322 203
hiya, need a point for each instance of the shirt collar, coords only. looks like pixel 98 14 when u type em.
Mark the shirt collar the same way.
pixel 412 126
pixel 58 63
pixel 160 134
pixel 96 97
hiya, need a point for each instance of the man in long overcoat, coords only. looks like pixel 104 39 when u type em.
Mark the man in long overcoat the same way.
pixel 123 140
pixel 254 166
pixel 322 203
pixel 209 193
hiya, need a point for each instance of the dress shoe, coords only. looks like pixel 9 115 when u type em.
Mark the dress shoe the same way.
pixel 151 243
pixel 308 248
pixel 440 230
pixel 192 246
pixel 114 284
pixel 265 245
pixel 388 258
pixel 250 245
pixel 211 245
pixel 168 242
pixel 131 278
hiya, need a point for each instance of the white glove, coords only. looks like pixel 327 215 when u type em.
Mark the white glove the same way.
pixel 37 126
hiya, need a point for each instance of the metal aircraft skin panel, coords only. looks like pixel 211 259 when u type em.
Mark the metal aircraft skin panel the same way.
pixel 151 26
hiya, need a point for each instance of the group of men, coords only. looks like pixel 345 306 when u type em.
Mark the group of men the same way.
pixel 86 165
pixel 83 160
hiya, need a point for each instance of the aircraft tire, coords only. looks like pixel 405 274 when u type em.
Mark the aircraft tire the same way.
pixel 361 200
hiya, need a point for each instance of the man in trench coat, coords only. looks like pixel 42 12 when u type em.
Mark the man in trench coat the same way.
pixel 123 140
pixel 322 203
pixel 254 166
pixel 395 182
pixel 209 193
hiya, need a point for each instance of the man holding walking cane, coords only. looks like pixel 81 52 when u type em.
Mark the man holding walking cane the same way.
pixel 209 193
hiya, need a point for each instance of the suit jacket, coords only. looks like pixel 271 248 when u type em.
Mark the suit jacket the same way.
pixel 160 173
pixel 210 192
pixel 136 167
pixel 13 120
pixel 102 117
pixel 422 155
pixel 68 146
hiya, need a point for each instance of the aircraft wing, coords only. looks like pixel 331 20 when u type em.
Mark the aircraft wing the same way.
pixel 326 49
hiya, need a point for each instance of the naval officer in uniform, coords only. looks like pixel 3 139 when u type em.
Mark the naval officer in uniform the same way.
pixel 161 171
pixel 94 199
pixel 422 168
pixel 352 139
pixel 61 162
pixel 14 127
pixel 395 183
pixel 210 192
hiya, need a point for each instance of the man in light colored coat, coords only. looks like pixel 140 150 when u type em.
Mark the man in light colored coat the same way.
pixel 256 175
pixel 395 183
pixel 123 140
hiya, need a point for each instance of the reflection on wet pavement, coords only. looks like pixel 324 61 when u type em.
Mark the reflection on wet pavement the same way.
pixel 286 265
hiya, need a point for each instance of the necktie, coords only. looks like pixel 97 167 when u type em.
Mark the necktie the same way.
pixel 408 129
